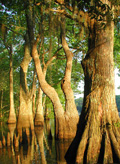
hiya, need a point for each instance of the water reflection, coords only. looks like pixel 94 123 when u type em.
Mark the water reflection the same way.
pixel 26 146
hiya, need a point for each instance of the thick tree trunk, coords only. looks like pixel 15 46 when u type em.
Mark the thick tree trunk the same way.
pixel 25 117
pixel 98 138
pixel 12 115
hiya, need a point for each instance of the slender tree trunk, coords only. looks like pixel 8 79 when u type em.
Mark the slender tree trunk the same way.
pixel 25 117
pixel 39 118
pixel 71 113
pixel 12 116
pixel 51 93
pixel 33 104
pixel 34 94
pixel 1 102
pixel 98 138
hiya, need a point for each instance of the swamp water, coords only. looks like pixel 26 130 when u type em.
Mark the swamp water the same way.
pixel 23 146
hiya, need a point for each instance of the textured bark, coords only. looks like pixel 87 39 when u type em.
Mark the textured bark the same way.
pixel 12 115
pixel 25 117
pixel 98 139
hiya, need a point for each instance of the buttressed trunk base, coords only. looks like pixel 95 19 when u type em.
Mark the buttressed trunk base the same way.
pixel 98 137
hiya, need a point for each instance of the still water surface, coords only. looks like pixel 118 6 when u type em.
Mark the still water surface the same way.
pixel 31 147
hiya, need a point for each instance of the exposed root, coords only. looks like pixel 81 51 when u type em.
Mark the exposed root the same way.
pixel 96 146
pixel 115 145
pixel 82 146
pixel 107 156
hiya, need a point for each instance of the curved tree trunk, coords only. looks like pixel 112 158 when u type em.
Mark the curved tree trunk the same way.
pixel 12 115
pixel 64 128
pixel 71 113
pixel 98 138
pixel 25 117
pixel 51 93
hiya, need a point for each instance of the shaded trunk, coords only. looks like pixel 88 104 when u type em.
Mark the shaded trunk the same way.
pixel 12 116
pixel 25 117
pixel 98 138
pixel 1 102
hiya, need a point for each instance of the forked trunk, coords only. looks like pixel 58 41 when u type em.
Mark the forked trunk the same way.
pixel 64 127
pixel 51 93
pixel 98 138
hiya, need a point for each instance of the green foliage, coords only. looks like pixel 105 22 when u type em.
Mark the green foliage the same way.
pixel 117 48
pixel 51 114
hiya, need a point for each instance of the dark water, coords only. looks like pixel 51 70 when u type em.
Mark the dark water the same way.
pixel 31 147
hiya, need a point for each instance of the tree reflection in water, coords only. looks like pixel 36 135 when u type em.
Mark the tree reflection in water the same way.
pixel 24 145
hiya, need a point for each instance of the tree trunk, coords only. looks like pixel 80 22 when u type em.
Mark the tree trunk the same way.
pixel 71 113
pixel 98 139
pixel 39 118
pixel 12 116
pixel 1 102
pixel 51 93
pixel 64 128
pixel 25 117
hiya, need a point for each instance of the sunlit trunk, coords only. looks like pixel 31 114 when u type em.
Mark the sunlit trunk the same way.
pixel 98 137
pixel 65 128
pixel 25 116
pixel 12 116
pixel 33 104
pixel 39 118
pixel 71 113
